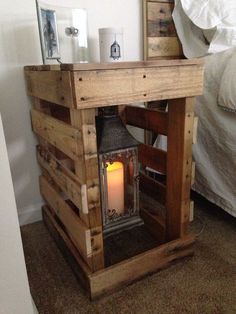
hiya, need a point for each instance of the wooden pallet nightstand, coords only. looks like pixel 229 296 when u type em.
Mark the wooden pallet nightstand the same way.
pixel 66 99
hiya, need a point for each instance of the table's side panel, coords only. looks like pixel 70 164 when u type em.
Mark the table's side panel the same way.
pixel 51 85
pixel 126 86
pixel 68 158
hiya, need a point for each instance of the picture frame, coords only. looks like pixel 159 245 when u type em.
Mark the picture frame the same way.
pixel 48 33
pixel 160 40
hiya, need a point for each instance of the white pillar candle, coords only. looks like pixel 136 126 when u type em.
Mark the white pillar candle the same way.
pixel 115 186
pixel 111 44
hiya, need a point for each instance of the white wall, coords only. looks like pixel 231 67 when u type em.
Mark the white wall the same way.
pixel 19 46
pixel 15 296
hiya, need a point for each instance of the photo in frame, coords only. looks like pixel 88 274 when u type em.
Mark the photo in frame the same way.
pixel 48 33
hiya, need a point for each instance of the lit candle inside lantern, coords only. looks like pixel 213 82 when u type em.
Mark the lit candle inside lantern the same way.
pixel 115 186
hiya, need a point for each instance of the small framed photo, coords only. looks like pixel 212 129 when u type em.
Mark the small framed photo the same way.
pixel 48 33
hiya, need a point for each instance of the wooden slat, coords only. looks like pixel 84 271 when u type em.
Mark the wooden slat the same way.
pixel 86 168
pixel 53 86
pixel 67 248
pixel 152 188
pixel 155 224
pixel 152 157
pixel 126 86
pixel 64 178
pixel 163 47
pixel 129 65
pixel 78 232
pixel 42 67
pixel 179 166
pixel 61 135
pixel 160 38
pixel 146 119
pixel 113 277
pixel 159 20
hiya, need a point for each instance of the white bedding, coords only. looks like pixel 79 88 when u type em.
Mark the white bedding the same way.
pixel 204 27
pixel 215 151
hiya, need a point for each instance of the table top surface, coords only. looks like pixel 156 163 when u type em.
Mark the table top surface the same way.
pixel 114 65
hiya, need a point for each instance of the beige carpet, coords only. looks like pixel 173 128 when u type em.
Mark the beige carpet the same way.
pixel 205 283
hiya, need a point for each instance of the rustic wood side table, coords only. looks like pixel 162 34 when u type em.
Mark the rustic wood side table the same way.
pixel 66 99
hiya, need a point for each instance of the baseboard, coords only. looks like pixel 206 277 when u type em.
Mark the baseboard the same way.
pixel 30 214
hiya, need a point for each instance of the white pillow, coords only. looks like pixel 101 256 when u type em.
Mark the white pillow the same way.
pixel 219 15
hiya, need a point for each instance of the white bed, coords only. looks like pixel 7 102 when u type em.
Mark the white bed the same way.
pixel 215 151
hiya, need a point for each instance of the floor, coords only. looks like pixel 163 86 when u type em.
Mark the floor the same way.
pixel 205 283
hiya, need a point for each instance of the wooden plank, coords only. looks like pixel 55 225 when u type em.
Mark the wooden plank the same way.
pixel 42 67
pixel 179 166
pixel 152 188
pixel 155 224
pixel 126 86
pixel 147 119
pixel 128 271
pixel 159 19
pixel 159 35
pixel 163 47
pixel 67 248
pixel 53 86
pixel 61 135
pixel 152 157
pixel 129 65
pixel 87 170
pixel 76 229
pixel 64 178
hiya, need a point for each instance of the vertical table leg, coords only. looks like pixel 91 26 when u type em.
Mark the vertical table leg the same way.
pixel 179 166
pixel 86 168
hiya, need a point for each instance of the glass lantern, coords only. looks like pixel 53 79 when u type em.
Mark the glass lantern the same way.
pixel 118 166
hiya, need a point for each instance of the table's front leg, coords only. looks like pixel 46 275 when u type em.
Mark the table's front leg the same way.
pixel 179 166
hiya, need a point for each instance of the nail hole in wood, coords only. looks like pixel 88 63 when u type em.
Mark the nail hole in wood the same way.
pixel 144 76
pixel 144 95
pixel 80 79
pixel 82 99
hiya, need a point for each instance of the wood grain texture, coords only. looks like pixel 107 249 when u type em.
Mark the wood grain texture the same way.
pixel 146 119
pixel 128 65
pixel 76 229
pixel 53 86
pixel 155 224
pixel 126 86
pixel 57 133
pixel 163 47
pixel 124 273
pixel 159 20
pixel 153 188
pixel 64 178
pixel 160 39
pixel 179 166
pixel 87 170
pixel 152 157
pixel 67 248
